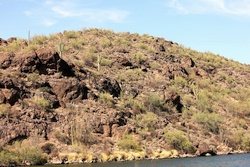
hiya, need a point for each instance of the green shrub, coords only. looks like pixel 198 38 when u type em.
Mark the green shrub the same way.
pixel 33 76
pixel 105 62
pixel 4 110
pixel 89 58
pixel 210 121
pixel 105 43
pixel 75 44
pixel 92 49
pixel 154 65
pixel 122 42
pixel 33 47
pixel 39 39
pixel 128 142
pixel 146 121
pixel 70 34
pixel 239 139
pixel 106 98
pixel 179 141
pixel 21 152
pixel 42 103
pixel 142 46
pixel 245 143
pixel 128 101
pixel 180 81
pixel 14 46
pixel 154 103
pixel 134 74
pixel 139 57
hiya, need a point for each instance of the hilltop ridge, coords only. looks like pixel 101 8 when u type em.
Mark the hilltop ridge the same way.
pixel 96 95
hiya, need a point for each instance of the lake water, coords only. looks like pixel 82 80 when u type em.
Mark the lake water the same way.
pixel 236 160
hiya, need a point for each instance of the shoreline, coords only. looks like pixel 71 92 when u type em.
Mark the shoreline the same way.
pixel 134 158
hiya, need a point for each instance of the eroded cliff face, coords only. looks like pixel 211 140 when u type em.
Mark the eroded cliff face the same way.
pixel 107 87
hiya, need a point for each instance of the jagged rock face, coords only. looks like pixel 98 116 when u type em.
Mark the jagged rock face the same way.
pixel 69 90
pixel 9 92
pixel 26 123
pixel 6 60
pixel 27 62
pixel 51 62
pixel 44 60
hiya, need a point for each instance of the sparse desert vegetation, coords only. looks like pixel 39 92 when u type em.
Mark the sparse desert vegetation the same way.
pixel 96 95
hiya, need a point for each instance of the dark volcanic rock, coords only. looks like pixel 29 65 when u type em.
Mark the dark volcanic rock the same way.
pixel 10 40
pixel 111 87
pixel 162 48
pixel 11 96
pixel 187 62
pixel 24 124
pixel 51 62
pixel 203 150
pixel 3 42
pixel 124 61
pixel 6 60
pixel 174 98
pixel 9 92
pixel 27 62
pixel 69 90
pixel 44 60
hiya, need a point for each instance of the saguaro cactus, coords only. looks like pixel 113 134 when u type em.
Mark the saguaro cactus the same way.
pixel 98 63
pixel 60 47
pixel 28 37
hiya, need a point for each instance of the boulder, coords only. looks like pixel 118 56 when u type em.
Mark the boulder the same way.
pixel 106 131
pixel 11 39
pixel 110 86
pixel 202 73
pixel 11 96
pixel 69 90
pixel 6 60
pixel 162 48
pixel 204 150
pixel 174 98
pixel 175 70
pixel 6 83
pixel 27 61
pixel 9 92
pixel 124 61
pixel 51 62
pixel 187 62
pixel 44 60
pixel 3 42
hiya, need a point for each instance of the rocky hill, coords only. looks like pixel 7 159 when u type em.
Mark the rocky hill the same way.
pixel 96 95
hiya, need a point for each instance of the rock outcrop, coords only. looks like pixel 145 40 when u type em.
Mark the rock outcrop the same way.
pixel 143 88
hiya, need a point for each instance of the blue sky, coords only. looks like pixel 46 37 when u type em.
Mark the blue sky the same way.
pixel 218 26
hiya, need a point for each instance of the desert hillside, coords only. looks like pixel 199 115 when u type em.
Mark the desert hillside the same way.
pixel 96 95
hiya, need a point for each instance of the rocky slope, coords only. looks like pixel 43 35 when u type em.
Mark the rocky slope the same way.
pixel 96 95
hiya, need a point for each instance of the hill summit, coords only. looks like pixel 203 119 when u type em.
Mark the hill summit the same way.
pixel 96 95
